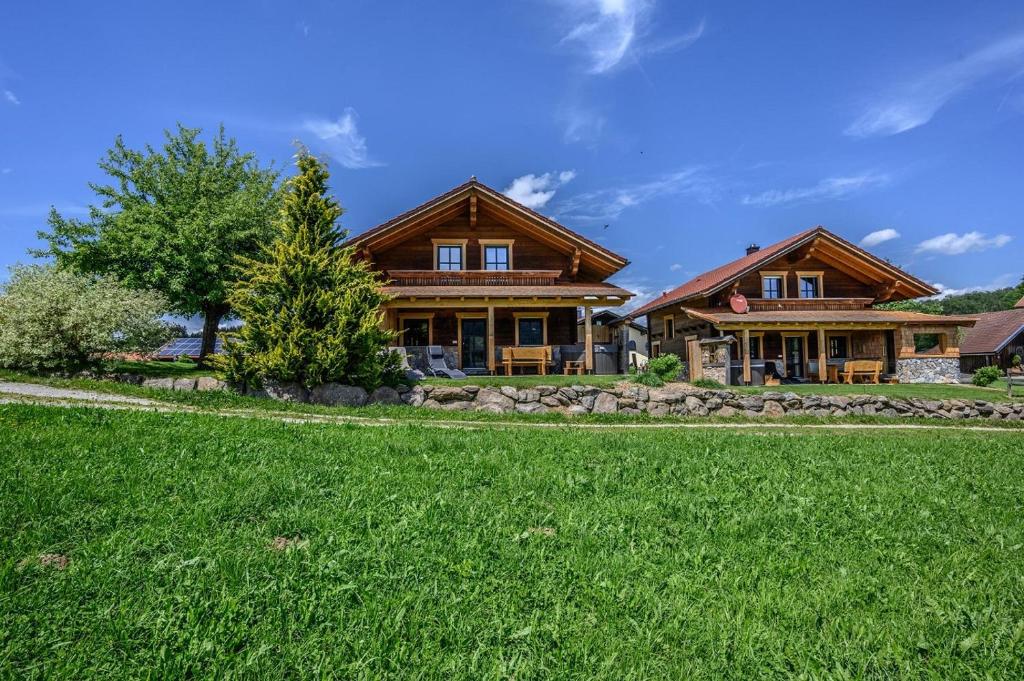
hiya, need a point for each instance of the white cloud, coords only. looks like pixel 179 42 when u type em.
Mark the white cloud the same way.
pixel 1002 281
pixel 879 237
pixel 675 267
pixel 608 30
pixel 914 103
pixel 643 290
pixel 957 244
pixel 6 171
pixel 341 139
pixel 11 97
pixel 608 204
pixel 829 188
pixel 534 191
pixel 581 124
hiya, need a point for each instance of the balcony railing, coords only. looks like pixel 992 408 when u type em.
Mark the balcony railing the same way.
pixel 473 277
pixel 774 304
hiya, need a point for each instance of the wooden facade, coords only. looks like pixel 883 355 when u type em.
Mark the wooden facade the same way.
pixel 806 306
pixel 474 271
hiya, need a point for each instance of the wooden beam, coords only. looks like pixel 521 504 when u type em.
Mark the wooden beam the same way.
pixel 472 210
pixel 822 364
pixel 575 268
pixel 746 356
pixel 847 268
pixel 588 345
pixel 490 339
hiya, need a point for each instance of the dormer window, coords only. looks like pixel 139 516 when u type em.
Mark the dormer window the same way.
pixel 449 254
pixel 810 284
pixel 496 254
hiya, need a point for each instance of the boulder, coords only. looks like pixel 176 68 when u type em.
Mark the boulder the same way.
pixel 773 408
pixel 576 410
pixel 457 405
pixel 528 395
pixel 338 395
pixel 161 383
pixel 414 397
pixel 605 403
pixel 185 384
pixel 210 383
pixel 587 402
pixel 531 408
pixel 444 393
pixel 546 390
pixel 385 395
pixel 287 392
pixel 727 411
pixel 695 406
pixel 509 392
pixel 658 409
pixel 551 401
pixel 752 403
pixel 494 400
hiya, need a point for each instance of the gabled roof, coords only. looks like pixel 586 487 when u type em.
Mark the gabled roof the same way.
pixel 721 277
pixel 993 331
pixel 450 204
pixel 614 318
pixel 725 316
pixel 1020 303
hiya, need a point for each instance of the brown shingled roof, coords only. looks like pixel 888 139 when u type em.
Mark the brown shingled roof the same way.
pixel 713 280
pixel 1020 303
pixel 993 331
pixel 546 291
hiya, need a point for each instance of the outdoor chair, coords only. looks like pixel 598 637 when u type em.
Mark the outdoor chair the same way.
pixel 437 366
pixel 410 373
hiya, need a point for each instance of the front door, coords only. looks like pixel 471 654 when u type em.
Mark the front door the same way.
pixel 794 356
pixel 474 343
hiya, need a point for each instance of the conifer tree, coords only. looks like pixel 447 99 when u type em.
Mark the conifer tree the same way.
pixel 312 312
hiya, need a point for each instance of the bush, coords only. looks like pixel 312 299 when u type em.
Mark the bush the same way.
pixel 986 376
pixel 55 319
pixel 659 370
pixel 708 384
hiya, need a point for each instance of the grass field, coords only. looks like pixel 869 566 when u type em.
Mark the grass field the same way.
pixel 433 553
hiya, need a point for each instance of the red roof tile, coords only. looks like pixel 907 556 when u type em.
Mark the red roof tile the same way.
pixel 1020 303
pixel 720 316
pixel 993 331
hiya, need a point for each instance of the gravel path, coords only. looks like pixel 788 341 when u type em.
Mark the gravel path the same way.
pixel 33 393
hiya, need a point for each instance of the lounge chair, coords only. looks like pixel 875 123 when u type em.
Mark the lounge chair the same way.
pixel 436 366
pixel 410 373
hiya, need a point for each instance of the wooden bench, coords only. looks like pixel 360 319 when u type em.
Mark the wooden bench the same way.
pixel 573 366
pixel 869 370
pixel 538 356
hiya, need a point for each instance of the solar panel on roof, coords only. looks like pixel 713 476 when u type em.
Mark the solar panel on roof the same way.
pixel 188 347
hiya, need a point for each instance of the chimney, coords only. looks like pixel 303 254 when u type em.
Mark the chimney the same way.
pixel 753 248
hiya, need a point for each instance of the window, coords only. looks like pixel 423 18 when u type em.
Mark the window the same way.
pixel 529 331
pixel 771 287
pixel 495 257
pixel 809 284
pixel 496 254
pixel 449 254
pixel 449 257
pixel 929 343
pixel 417 329
pixel 755 347
pixel 655 348
pixel 838 347
pixel 668 327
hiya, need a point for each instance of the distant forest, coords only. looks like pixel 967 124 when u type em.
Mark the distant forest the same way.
pixel 964 303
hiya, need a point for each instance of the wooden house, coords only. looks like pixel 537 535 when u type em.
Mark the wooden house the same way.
pixel 995 340
pixel 628 335
pixel 473 271
pixel 802 309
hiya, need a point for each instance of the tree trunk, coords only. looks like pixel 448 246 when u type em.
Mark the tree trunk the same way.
pixel 211 322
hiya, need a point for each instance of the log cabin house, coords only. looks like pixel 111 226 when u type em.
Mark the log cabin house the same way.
pixel 474 272
pixel 801 309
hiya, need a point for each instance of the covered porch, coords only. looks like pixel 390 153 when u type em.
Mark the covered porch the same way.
pixel 838 346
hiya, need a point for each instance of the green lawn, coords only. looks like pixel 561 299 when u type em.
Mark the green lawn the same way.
pixel 156 369
pixel 530 380
pixel 449 553
pixel 931 391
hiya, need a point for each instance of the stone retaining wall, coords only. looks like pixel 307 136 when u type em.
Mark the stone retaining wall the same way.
pixel 928 370
pixel 679 399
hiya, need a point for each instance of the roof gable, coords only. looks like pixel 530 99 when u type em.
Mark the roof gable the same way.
pixel 474 196
pixel 829 246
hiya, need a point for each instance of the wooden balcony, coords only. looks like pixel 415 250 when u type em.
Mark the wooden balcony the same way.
pixel 473 277
pixel 774 304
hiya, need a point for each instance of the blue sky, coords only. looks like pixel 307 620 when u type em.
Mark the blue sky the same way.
pixel 690 129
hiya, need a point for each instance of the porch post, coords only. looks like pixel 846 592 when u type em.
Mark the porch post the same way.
pixel 588 344
pixel 746 356
pixel 490 339
pixel 822 368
